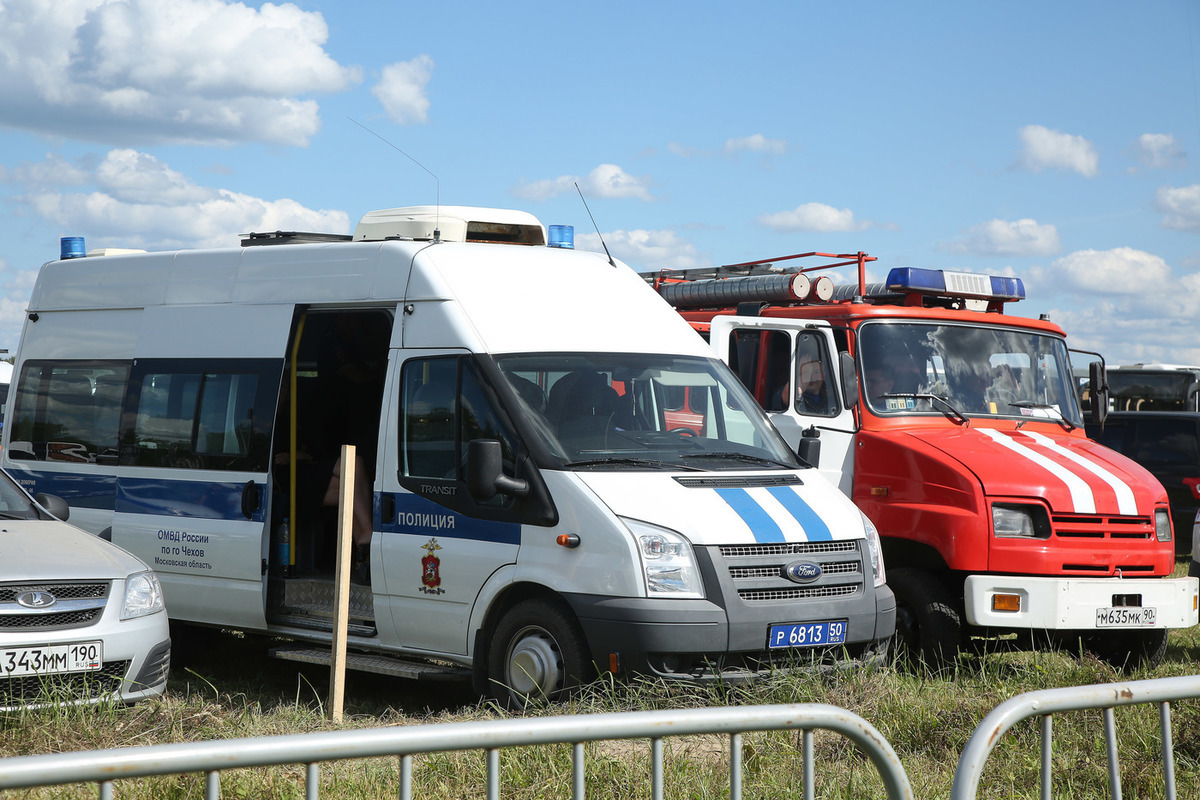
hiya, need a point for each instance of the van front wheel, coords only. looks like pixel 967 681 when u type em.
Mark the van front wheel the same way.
pixel 537 654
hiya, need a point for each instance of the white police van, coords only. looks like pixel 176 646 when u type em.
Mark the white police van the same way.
pixel 538 505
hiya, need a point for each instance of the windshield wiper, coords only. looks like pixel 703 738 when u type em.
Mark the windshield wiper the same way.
pixel 626 461
pixel 738 457
pixel 1057 415
pixel 14 515
pixel 949 410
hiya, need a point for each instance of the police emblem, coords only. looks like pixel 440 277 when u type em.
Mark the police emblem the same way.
pixel 431 576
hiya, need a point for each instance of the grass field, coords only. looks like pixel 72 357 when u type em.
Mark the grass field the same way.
pixel 229 689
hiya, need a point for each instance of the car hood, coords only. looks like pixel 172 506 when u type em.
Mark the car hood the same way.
pixel 32 550
pixel 1072 473
pixel 722 509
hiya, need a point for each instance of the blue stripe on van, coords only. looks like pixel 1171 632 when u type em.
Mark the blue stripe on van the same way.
pixel 756 518
pixel 79 490
pixel 814 527
pixel 420 517
pixel 190 499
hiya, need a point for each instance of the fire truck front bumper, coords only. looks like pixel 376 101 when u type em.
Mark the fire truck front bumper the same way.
pixel 1028 603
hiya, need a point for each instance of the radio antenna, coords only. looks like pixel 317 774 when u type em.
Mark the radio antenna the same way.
pixel 437 233
pixel 594 225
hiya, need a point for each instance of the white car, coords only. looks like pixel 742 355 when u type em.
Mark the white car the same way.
pixel 81 620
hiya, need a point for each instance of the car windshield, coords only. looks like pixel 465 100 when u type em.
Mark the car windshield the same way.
pixel 14 503
pixel 640 411
pixel 965 371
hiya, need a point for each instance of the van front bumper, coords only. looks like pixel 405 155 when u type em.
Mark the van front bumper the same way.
pixel 1078 603
pixel 692 639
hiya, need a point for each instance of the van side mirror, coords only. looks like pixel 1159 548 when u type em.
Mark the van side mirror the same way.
pixel 485 472
pixel 849 379
pixel 809 448
pixel 57 507
pixel 1098 392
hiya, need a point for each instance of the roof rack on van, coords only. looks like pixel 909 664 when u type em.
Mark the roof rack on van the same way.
pixel 291 237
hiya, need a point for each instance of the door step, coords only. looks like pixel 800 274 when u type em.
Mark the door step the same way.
pixel 374 662
pixel 312 596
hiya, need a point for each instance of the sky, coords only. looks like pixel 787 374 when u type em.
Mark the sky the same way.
pixel 1055 142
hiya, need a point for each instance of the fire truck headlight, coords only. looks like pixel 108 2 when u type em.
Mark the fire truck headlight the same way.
pixel 876 549
pixel 1162 525
pixel 1020 522
pixel 668 561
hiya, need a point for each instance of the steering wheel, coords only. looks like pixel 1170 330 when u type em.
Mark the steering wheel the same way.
pixel 686 432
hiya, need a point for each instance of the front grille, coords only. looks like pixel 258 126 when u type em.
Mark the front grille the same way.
pixel 70 688
pixel 806 593
pixel 63 591
pixel 76 605
pixel 49 622
pixel 1100 526
pixel 757 571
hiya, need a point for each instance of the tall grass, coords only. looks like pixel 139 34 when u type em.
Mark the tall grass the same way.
pixel 231 690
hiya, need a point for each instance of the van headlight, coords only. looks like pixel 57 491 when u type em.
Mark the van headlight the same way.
pixel 668 561
pixel 876 549
pixel 143 595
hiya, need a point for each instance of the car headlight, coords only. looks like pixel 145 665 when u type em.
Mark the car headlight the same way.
pixel 668 561
pixel 876 549
pixel 1162 524
pixel 1020 522
pixel 143 595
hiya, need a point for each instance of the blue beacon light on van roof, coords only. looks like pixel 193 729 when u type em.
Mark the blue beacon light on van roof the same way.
pixel 562 236
pixel 955 284
pixel 72 247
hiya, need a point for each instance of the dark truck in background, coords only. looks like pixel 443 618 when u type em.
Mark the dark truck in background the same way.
pixel 1167 443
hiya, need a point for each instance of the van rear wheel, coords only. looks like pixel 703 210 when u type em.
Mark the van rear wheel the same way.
pixel 537 654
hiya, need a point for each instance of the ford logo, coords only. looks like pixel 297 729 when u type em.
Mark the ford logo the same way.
pixel 36 599
pixel 802 572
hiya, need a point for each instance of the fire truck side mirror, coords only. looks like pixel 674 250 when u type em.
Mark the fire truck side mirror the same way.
pixel 485 472
pixel 809 448
pixel 1097 392
pixel 849 379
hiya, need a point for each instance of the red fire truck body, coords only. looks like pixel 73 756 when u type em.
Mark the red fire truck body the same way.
pixel 957 430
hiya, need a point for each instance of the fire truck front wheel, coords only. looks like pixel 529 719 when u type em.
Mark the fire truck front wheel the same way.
pixel 928 624
pixel 537 654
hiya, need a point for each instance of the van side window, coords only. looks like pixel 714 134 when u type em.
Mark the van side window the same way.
pixel 68 411
pixel 443 407
pixel 199 418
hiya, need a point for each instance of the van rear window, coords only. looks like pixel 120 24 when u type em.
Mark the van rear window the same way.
pixel 68 411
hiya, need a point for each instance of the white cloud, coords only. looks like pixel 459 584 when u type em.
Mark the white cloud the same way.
pixel 1159 150
pixel 1181 207
pixel 607 181
pixel 1044 148
pixel 814 217
pixel 643 250
pixel 141 71
pixel 401 90
pixel 757 143
pixel 132 199
pixel 1019 238
pixel 1112 272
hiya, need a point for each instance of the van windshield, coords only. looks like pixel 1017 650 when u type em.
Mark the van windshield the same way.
pixel 639 411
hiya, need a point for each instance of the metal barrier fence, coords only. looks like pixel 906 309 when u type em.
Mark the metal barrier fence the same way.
pixel 103 767
pixel 1047 702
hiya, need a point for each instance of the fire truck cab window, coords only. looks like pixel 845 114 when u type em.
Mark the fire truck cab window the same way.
pixel 815 393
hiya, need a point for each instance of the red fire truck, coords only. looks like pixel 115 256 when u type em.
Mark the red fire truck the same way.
pixel 957 429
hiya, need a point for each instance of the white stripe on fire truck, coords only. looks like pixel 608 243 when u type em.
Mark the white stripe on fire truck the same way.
pixel 1082 498
pixel 1126 504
